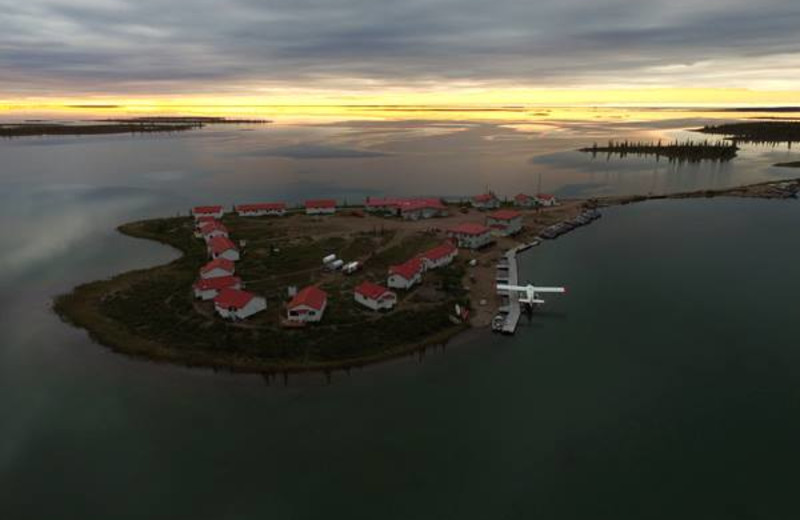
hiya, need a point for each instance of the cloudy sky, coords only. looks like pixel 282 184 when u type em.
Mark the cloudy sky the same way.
pixel 250 47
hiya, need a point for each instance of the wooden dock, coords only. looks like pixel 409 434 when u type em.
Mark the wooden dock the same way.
pixel 508 273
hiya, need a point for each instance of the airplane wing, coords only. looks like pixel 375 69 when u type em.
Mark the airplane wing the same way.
pixel 549 289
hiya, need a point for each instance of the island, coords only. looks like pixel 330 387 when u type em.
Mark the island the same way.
pixel 160 313
pixel 688 151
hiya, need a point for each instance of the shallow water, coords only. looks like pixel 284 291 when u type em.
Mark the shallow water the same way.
pixel 662 385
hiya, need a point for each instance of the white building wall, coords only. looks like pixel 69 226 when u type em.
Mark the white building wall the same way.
pixel 510 227
pixel 311 315
pixel 375 305
pixel 215 233
pixel 398 282
pixel 229 254
pixel 215 273
pixel 320 211
pixel 255 305
pixel 441 262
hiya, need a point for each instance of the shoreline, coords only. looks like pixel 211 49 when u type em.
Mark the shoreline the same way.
pixel 80 307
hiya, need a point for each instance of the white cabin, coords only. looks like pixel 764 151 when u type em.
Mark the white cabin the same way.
pixel 374 296
pixel 234 304
pixel 471 235
pixel 505 222
pixel 217 268
pixel 485 201
pixel 308 305
pixel 439 256
pixel 406 275
pixel 209 288
pixel 208 211
pixel 320 207
pixel 271 209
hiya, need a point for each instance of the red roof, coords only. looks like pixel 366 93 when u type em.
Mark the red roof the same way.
pixel 407 269
pixel 405 204
pixel 441 251
pixel 484 197
pixel 545 196
pixel 522 197
pixel 212 226
pixel 200 210
pixel 218 263
pixel 470 228
pixel 262 206
pixel 505 214
pixel 233 298
pixel 414 204
pixel 217 283
pixel 205 219
pixel 311 296
pixel 321 203
pixel 220 244
pixel 371 290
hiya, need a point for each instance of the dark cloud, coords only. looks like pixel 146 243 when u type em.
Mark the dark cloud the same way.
pixel 224 45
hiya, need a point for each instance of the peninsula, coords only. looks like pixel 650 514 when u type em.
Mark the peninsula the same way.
pixel 160 313
pixel 138 125
pixel 757 131
pixel 688 151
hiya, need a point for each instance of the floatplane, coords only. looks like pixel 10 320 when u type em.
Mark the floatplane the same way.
pixel 529 294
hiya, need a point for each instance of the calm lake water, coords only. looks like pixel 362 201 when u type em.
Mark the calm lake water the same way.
pixel 663 385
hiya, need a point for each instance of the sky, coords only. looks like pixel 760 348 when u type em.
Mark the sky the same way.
pixel 401 51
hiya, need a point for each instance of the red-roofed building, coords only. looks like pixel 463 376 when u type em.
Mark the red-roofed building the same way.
pixel 222 247
pixel 409 209
pixel 545 199
pixel 406 275
pixel 374 296
pixel 273 209
pixel 217 268
pixel 308 305
pixel 522 200
pixel 471 235
pixel 208 211
pixel 485 201
pixel 202 221
pixel 234 304
pixel 209 288
pixel 320 207
pixel 439 256
pixel 505 222
pixel 415 209
pixel 213 229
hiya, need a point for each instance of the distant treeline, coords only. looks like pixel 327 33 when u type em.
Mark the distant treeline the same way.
pixel 686 151
pixel 202 120
pixel 136 125
pixel 43 129
pixel 758 132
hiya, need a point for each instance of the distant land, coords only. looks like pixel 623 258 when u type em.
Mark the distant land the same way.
pixel 137 125
pixel 687 151
pixel 757 132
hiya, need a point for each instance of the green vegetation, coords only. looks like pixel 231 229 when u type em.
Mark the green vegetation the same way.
pixel 153 313
pixel 771 132
pixel 687 151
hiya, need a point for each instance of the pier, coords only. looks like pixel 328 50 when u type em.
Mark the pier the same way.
pixel 510 309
